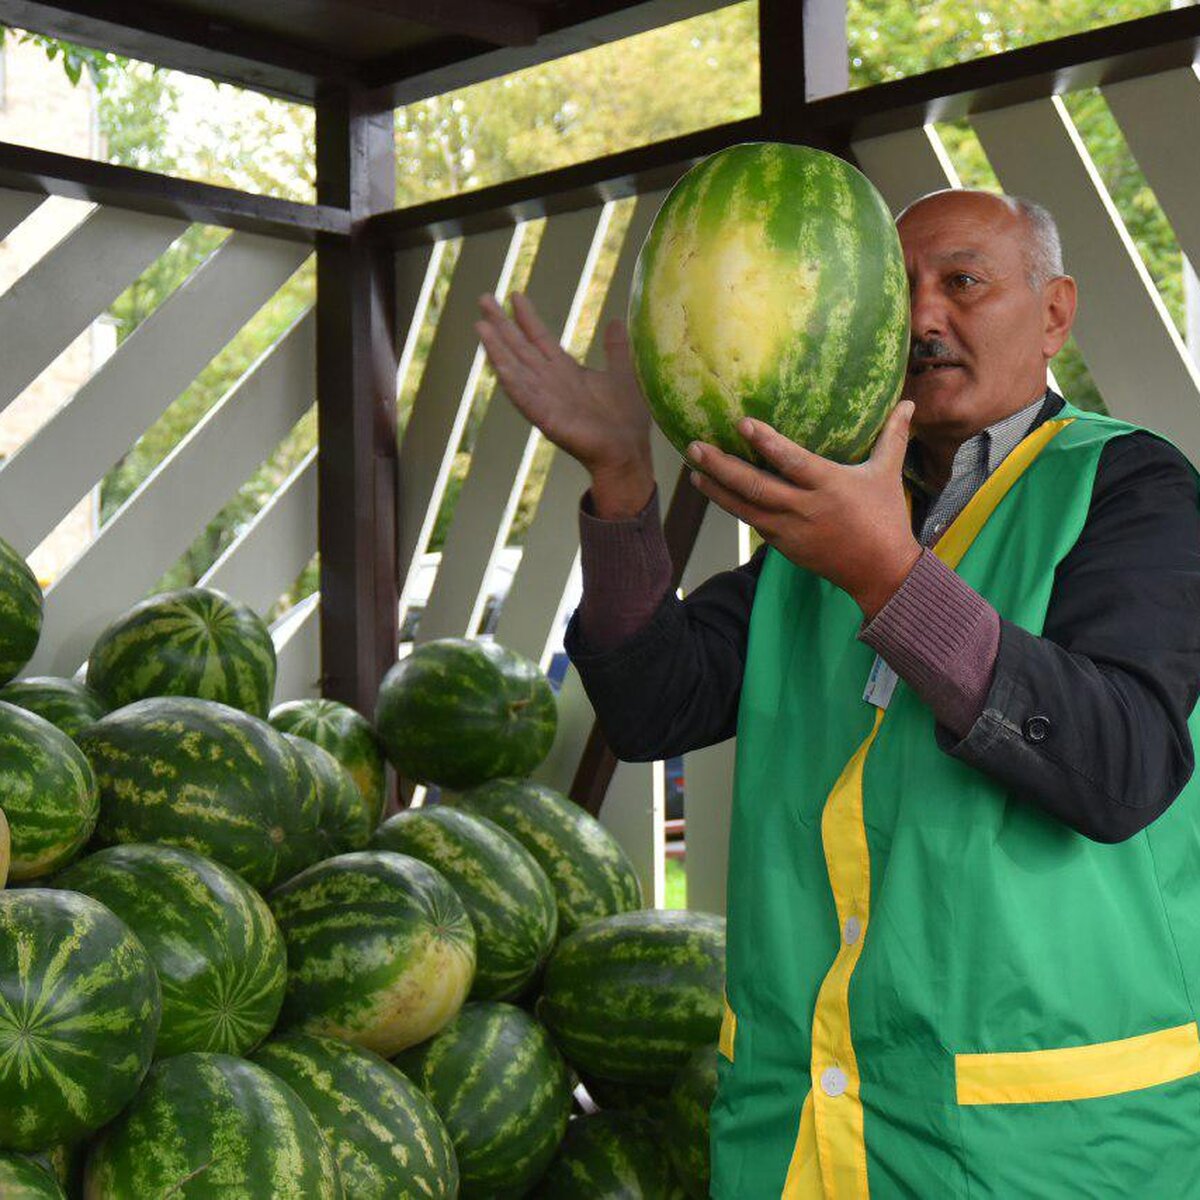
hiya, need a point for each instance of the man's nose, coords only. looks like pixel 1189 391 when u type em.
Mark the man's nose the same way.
pixel 928 309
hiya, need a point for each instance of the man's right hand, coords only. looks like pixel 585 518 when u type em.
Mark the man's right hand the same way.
pixel 597 417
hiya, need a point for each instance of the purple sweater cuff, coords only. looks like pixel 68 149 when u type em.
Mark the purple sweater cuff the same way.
pixel 941 637
pixel 626 573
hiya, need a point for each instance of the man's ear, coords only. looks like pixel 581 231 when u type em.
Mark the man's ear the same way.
pixel 1059 298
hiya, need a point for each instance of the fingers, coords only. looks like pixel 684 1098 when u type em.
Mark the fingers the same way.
pixel 892 443
pixel 514 346
pixel 533 327
pixel 739 481
pixel 793 462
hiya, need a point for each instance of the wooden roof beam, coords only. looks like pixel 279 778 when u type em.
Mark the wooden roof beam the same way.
pixel 494 22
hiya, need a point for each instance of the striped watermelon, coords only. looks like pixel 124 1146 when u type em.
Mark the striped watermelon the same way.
pixel 458 712
pixel 380 950
pixel 207 777
pixel 211 1125
pixel 685 1127
pixel 610 1156
pixel 23 1179
pixel 628 998
pixel 20 612
pixel 503 1091
pixel 347 735
pixel 386 1137
pixel 49 794
pixel 772 285
pixel 344 820
pixel 65 1163
pixel 218 952
pixel 69 705
pixel 591 875
pixel 191 642
pixel 79 1012
pixel 634 1099
pixel 505 892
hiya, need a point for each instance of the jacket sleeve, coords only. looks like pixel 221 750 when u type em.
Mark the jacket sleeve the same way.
pixel 674 685
pixel 1089 720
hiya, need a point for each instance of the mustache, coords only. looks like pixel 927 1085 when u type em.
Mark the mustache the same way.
pixel 925 349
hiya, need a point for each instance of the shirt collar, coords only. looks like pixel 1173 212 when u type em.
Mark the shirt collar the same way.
pixel 993 443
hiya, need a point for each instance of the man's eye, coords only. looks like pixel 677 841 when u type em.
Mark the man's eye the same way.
pixel 962 280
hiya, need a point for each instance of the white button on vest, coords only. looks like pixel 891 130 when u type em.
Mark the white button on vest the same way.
pixel 834 1081
pixel 851 930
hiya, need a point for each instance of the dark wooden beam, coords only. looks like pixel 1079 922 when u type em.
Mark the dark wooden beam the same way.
pixel 802 53
pixel 51 174
pixel 628 173
pixel 491 21
pixel 681 527
pixel 357 360
pixel 184 40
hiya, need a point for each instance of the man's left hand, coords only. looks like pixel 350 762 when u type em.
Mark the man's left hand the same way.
pixel 849 524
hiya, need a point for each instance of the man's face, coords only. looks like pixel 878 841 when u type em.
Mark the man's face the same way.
pixel 978 328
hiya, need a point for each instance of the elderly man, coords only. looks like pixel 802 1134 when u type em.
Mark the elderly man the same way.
pixel 964 888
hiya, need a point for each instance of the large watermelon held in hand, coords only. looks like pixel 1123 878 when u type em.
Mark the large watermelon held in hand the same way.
pixel 217 950
pixel 48 791
pixel 506 894
pixel 386 1137
pixel 202 775
pixel 629 998
pixel 66 704
pixel 591 874
pixel 191 642
pixel 213 1125
pixel 79 1012
pixel 772 285
pixel 20 612
pixel 380 950
pixel 610 1156
pixel 457 713
pixel 504 1092
pixel 347 735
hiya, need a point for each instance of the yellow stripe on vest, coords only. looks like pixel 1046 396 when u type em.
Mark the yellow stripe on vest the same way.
pixel 728 1034
pixel 1079 1072
pixel 804 1172
pixel 836 1097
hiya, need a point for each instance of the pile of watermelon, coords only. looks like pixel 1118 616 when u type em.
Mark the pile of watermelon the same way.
pixel 222 972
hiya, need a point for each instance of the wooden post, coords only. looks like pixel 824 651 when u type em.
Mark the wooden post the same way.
pixel 357 361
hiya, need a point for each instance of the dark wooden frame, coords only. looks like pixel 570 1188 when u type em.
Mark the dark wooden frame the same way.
pixel 356 229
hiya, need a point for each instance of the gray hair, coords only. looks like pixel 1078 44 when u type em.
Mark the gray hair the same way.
pixel 1043 256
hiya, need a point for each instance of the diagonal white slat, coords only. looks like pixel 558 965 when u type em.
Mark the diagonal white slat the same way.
pixel 504 447
pixel 275 547
pixel 45 479
pixel 56 300
pixel 157 523
pixel 14 208
pixel 1159 116
pixel 297 636
pixel 708 773
pixel 552 539
pixel 907 165
pixel 443 399
pixel 1130 343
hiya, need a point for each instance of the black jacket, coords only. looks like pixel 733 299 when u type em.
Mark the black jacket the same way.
pixel 1088 721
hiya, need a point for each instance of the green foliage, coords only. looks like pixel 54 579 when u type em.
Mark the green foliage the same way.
pixel 101 65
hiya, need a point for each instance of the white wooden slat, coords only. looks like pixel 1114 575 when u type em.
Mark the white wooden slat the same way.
pixel 14 208
pixel 1130 343
pixel 417 271
pixel 444 395
pixel 552 539
pixel 160 519
pixel 297 636
pixel 506 442
pixel 55 301
pixel 1159 116
pixel 907 165
pixel 158 361
pixel 275 547
pixel 708 773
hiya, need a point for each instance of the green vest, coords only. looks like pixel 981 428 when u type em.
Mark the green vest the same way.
pixel 934 989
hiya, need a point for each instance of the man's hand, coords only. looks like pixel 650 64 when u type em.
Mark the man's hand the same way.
pixel 597 417
pixel 849 524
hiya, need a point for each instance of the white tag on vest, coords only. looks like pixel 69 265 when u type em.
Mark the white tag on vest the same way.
pixel 881 683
